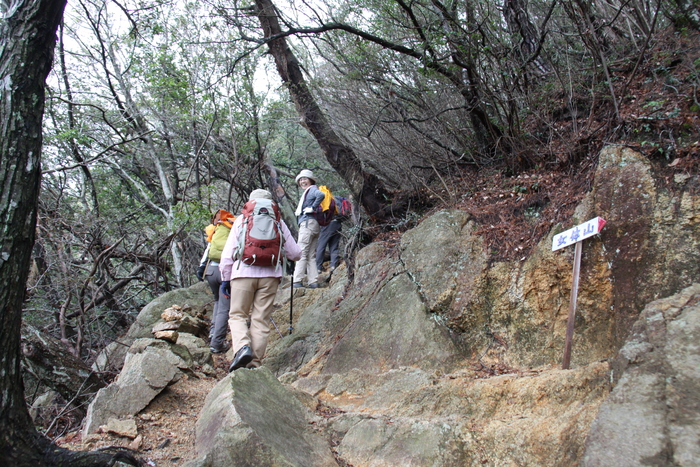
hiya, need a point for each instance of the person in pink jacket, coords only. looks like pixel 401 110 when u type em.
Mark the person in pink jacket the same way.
pixel 252 291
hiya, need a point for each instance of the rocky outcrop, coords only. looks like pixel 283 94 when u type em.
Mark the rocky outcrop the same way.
pixel 514 313
pixel 652 416
pixel 197 299
pixel 251 419
pixel 147 370
pixel 150 365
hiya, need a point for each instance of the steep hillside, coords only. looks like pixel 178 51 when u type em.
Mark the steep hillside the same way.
pixel 443 336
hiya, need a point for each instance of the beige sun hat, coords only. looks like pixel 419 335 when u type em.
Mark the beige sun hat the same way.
pixel 308 174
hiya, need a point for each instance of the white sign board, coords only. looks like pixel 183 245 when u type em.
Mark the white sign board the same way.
pixel 578 233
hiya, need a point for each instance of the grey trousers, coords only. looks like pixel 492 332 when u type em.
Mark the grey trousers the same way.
pixel 219 319
pixel 330 236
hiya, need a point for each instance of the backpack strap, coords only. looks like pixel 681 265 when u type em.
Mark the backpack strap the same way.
pixel 281 254
pixel 238 251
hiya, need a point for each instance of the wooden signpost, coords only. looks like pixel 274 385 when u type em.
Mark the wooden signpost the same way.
pixel 575 235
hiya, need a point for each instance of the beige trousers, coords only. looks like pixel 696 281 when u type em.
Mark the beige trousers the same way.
pixel 308 241
pixel 252 297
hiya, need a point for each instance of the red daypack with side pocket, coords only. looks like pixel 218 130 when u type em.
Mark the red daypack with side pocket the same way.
pixel 261 240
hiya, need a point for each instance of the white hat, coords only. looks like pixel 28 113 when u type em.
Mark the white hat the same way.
pixel 308 174
pixel 259 194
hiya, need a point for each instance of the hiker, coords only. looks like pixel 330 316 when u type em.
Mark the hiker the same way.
pixel 309 230
pixel 330 234
pixel 252 288
pixel 330 237
pixel 217 234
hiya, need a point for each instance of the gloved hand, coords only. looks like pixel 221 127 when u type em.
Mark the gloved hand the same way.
pixel 225 289
pixel 200 272
pixel 308 210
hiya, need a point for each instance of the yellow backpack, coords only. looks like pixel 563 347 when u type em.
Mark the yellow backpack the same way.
pixel 223 221
pixel 326 210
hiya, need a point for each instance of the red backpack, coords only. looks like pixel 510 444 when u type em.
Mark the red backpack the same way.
pixel 260 241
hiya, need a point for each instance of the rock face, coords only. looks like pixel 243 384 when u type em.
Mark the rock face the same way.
pixel 652 416
pixel 515 313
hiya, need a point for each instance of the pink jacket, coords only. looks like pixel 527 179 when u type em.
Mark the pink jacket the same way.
pixel 232 270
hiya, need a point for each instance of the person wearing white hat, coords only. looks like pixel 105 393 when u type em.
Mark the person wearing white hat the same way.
pixel 309 230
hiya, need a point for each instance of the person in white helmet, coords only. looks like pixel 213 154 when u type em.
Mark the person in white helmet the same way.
pixel 309 230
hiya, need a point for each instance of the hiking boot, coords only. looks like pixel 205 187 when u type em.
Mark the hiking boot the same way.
pixel 221 350
pixel 242 358
pixel 312 286
pixel 298 285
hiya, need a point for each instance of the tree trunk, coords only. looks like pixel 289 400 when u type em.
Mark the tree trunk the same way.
pixel 286 204
pixel 27 40
pixel 518 19
pixel 366 188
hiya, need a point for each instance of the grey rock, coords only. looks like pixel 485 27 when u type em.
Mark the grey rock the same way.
pixel 395 330
pixel 126 428
pixel 197 348
pixel 403 442
pixel 652 416
pixel 198 299
pixel 144 376
pixel 251 419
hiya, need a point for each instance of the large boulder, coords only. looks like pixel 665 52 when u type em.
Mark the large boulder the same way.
pixel 379 324
pixel 249 418
pixel 652 416
pixel 394 329
pixel 150 366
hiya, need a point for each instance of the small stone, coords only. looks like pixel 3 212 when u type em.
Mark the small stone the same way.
pixel 125 428
pixel 136 443
pixel 170 336
pixel 171 314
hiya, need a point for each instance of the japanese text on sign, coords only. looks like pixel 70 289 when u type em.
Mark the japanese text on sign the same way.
pixel 578 233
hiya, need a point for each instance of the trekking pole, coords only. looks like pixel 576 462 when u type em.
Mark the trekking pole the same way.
pixel 291 301
pixel 275 324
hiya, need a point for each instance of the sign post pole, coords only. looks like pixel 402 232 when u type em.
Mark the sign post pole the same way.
pixel 575 235
pixel 572 307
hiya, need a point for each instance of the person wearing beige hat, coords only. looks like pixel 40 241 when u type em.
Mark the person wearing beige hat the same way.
pixel 252 290
pixel 309 230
